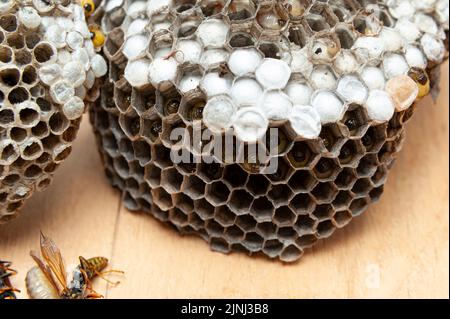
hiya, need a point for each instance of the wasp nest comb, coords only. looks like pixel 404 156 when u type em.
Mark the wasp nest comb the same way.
pixel 313 96
pixel 48 64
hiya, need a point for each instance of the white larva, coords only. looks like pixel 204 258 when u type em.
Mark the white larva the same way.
pixel 273 74
pixel 219 113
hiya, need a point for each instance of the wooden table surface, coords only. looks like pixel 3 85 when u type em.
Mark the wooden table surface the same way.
pixel 399 248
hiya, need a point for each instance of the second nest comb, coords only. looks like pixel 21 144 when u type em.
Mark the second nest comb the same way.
pixel 337 79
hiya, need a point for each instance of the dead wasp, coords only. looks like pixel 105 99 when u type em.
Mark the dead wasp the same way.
pixel 6 289
pixel 48 279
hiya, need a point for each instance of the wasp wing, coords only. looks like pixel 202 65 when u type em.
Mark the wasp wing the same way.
pixel 52 255
pixel 45 269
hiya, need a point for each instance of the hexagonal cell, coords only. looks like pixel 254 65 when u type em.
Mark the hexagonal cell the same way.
pixel 380 176
pixel 306 241
pixel 325 229
pixel 196 221
pixel 346 179
pixel 240 201
pixel 395 125
pixel 284 216
pixel 130 202
pixel 298 35
pixel 342 200
pixel 326 169
pixel 253 157
pixel 143 100
pixel 374 138
pixel 210 172
pixel 168 103
pixel 193 186
pixel 121 167
pixel 356 121
pixel 161 155
pixel 235 176
pixel 253 242
pixel 224 216
pixel 219 245
pixel 162 198
pixel 302 204
pixel 325 192
pixel 246 222
pixel 280 195
pixel 278 141
pixel 268 230
pixel 234 234
pixel 152 128
pixel 367 166
pixel 122 96
pixel 362 187
pixel 358 206
pixel 342 218
pixel 183 202
pixel 291 253
pixel 262 209
pixel 213 228
pixel 305 224
pixel 191 108
pixel 332 137
pixel 204 209
pixel 323 212
pixel 272 248
pixel 351 153
pixel 272 18
pixel 302 181
pixel 142 152
pixel 283 171
pixel 132 187
pixel 387 153
pixel 376 193
pixel 258 185
pixel 188 166
pixel 239 11
pixel 241 40
pixel 153 175
pixel 302 155
pixel 178 217
pixel 287 234
pixel 173 133
pixel 217 193
pixel 212 8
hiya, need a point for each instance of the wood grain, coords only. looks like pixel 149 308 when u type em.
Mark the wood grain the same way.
pixel 398 249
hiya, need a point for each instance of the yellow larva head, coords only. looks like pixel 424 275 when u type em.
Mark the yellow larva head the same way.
pixel 97 36
pixel 88 7
pixel 423 81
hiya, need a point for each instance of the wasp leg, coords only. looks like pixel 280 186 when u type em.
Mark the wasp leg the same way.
pixel 2 290
pixel 94 295
pixel 101 275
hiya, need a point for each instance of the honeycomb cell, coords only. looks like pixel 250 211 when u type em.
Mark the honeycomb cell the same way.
pixel 224 216
pixel 326 169
pixel 262 209
pixel 302 182
pixel 332 138
pixel 217 193
pixel 284 216
pixel 194 187
pixel 358 206
pixel 302 204
pixel 253 242
pixel 302 155
pixel 280 195
pixel 240 201
pixel 342 200
pixel 171 180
